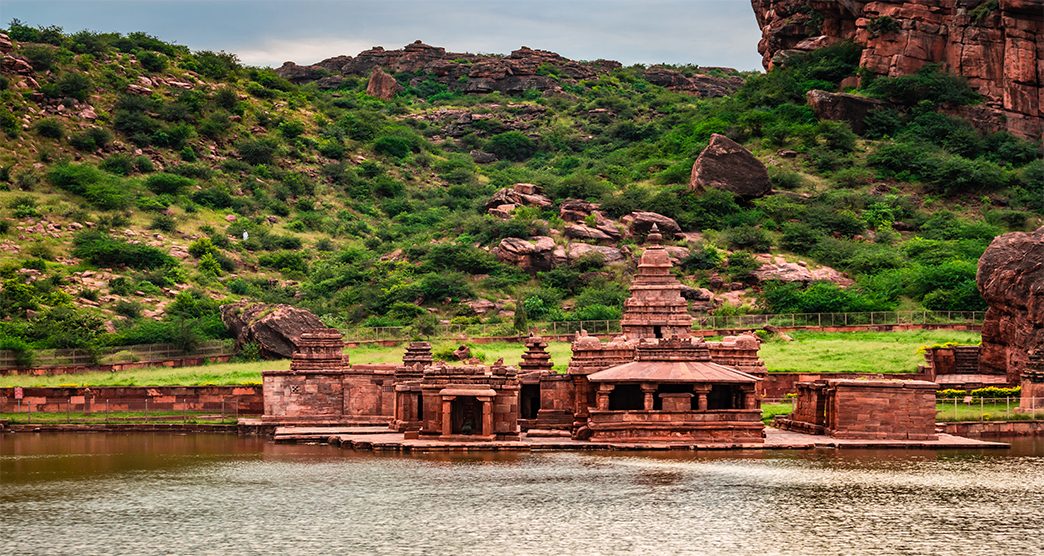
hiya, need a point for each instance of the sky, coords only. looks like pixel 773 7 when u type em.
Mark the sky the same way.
pixel 269 32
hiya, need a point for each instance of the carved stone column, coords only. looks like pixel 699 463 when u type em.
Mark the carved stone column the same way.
pixel 701 397
pixel 650 396
pixel 603 395
pixel 487 417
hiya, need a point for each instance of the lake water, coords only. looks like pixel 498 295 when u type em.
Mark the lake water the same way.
pixel 221 494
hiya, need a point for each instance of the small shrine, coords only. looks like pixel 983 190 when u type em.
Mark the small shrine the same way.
pixel 469 402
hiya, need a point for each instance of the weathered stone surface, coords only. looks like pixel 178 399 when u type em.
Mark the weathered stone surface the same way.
pixel 1011 280
pixel 701 85
pixel 999 48
pixel 842 107
pixel 585 232
pixel 382 85
pixel 725 164
pixel 576 210
pixel 300 74
pixel 276 329
pixel 576 251
pixel 535 254
pixel 640 222
pixel 520 194
pixel 865 409
pixel 5 43
pixel 10 64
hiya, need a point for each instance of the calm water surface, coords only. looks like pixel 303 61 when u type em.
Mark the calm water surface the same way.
pixel 210 494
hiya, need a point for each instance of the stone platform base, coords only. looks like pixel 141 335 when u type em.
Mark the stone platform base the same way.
pixel 384 440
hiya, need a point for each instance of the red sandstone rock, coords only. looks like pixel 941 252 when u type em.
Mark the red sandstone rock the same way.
pixel 701 85
pixel 852 109
pixel 1001 52
pixel 1011 280
pixel 640 222
pixel 725 164
pixel 5 44
pixel 275 328
pixel 537 254
pixel 520 194
pixel 382 85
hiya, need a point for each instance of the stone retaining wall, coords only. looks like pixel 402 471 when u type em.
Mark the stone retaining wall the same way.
pixel 980 429
pixel 244 399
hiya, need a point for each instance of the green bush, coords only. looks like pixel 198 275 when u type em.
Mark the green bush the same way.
pixel 163 183
pixel 800 238
pixel 50 128
pixel 511 145
pixel 284 261
pixel 91 139
pixel 262 150
pixel 748 238
pixel 69 85
pixel 101 190
pixel 101 249
pixel 392 145
pixel 930 84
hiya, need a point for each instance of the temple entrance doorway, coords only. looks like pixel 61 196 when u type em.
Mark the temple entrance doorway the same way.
pixel 658 331
pixel 420 408
pixel 529 401
pixel 467 415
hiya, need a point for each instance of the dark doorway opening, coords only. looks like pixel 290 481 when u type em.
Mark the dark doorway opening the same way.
pixel 658 331
pixel 420 407
pixel 627 397
pixel 529 402
pixel 467 415
pixel 725 397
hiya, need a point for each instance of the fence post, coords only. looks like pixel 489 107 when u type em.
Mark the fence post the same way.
pixel 955 409
pixel 981 409
pixel 146 410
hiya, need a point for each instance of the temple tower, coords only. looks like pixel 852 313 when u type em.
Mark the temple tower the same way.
pixel 656 308
pixel 417 353
pixel 535 358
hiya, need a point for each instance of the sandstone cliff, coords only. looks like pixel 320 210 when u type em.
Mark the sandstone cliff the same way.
pixel 997 44
pixel 522 70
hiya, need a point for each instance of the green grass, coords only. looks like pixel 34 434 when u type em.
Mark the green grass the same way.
pixel 770 410
pixel 123 417
pixel 856 352
pixel 810 352
pixel 219 374
pixel 995 411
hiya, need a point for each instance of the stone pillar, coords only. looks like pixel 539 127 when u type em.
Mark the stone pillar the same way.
pixel 447 416
pixel 650 396
pixel 487 417
pixel 750 398
pixel 701 397
pixel 603 395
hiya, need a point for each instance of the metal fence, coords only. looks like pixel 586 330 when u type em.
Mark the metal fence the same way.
pixel 122 411
pixel 120 354
pixel 989 409
pixel 703 322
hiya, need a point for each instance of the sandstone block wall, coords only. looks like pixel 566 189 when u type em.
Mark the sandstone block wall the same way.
pixel 881 410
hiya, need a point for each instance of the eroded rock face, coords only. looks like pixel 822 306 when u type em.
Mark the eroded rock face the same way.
pixel 382 85
pixel 533 255
pixel 520 194
pixel 701 84
pixel 640 222
pixel 999 47
pixel 842 107
pixel 276 329
pixel 725 164
pixel 1011 279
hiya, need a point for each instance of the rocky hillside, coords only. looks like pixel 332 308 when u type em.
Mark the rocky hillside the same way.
pixel 998 45
pixel 142 185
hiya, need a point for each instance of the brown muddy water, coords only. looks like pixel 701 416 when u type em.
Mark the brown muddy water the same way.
pixel 222 494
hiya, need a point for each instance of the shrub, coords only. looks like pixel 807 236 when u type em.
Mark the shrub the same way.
pixel 749 238
pixel 392 145
pixel 167 183
pixel 164 223
pixel 152 61
pixel 91 139
pixel 50 128
pixel 511 145
pixel 284 261
pixel 930 84
pixel 98 188
pixel 120 164
pixel 69 85
pixel 741 266
pixel 65 326
pixel 101 249
pixel 800 238
pixel 262 150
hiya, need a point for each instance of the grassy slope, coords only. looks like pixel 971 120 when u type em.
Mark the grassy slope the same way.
pixel 811 352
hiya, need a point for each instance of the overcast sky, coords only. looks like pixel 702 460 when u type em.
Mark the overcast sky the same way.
pixel 269 32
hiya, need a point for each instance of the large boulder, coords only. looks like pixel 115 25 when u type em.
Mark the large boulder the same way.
pixel 520 194
pixel 843 107
pixel 535 254
pixel 725 164
pixel 275 328
pixel 640 222
pixel 382 85
pixel 1011 280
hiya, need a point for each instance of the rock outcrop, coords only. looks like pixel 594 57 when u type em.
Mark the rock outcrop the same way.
pixel 532 255
pixel 843 107
pixel 382 85
pixel 725 164
pixel 506 200
pixel 997 44
pixel 522 70
pixel 275 328
pixel 639 223
pixel 1011 279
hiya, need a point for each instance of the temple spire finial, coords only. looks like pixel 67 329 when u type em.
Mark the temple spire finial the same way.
pixel 654 237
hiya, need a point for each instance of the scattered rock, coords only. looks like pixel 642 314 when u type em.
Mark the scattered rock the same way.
pixel 640 222
pixel 462 353
pixel 483 157
pixel 534 255
pixel 725 164
pixel 520 194
pixel 481 306
pixel 585 232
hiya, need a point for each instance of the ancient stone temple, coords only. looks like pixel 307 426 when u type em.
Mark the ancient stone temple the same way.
pixel 313 388
pixel 470 402
pixel 417 353
pixel 408 405
pixel 1032 400
pixel 656 308
pixel 865 409
pixel 672 391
